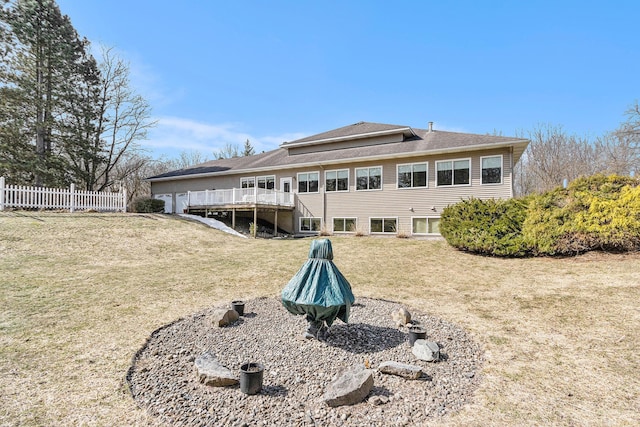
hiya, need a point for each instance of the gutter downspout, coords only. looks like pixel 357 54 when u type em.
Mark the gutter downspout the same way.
pixel 324 198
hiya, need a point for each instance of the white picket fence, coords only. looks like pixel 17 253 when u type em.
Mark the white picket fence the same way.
pixel 19 196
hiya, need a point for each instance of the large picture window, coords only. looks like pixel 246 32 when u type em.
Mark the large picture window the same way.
pixel 412 175
pixel 337 180
pixel 308 182
pixel 310 224
pixel 383 225
pixel 453 172
pixel 344 225
pixel 491 169
pixel 369 178
pixel 268 182
pixel 425 225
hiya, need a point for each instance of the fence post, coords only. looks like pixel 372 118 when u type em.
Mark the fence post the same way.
pixel 1 193
pixel 124 199
pixel 72 197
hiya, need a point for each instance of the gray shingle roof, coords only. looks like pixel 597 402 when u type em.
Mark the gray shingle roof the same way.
pixel 360 128
pixel 421 141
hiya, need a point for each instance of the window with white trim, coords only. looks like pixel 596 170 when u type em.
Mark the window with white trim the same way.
pixel 369 178
pixel 412 175
pixel 267 182
pixel 344 225
pixel 337 180
pixel 308 182
pixel 383 225
pixel 453 172
pixel 491 169
pixel 425 225
pixel 248 182
pixel 310 224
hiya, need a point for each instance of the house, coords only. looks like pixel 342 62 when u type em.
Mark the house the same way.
pixel 369 178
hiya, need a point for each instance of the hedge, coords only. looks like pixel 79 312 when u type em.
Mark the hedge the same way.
pixel 593 213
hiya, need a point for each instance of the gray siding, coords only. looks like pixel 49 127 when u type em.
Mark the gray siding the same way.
pixel 388 202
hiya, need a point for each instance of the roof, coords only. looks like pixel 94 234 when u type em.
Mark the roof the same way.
pixel 354 131
pixel 415 142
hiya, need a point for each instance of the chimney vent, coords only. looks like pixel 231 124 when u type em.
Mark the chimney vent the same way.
pixel 430 126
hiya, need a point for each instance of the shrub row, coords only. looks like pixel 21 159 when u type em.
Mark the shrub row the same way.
pixel 148 205
pixel 592 213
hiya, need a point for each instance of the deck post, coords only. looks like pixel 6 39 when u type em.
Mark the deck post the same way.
pixel 275 223
pixel 233 218
pixel 255 221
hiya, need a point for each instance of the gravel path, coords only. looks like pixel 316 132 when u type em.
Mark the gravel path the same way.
pixel 162 377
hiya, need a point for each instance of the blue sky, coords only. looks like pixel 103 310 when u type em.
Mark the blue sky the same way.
pixel 218 72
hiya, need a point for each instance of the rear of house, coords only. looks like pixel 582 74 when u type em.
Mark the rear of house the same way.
pixel 366 178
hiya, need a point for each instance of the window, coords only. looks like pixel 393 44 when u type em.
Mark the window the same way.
pixel 369 178
pixel 412 175
pixel 337 180
pixel 453 172
pixel 344 225
pixel 308 182
pixel 310 224
pixel 491 169
pixel 383 225
pixel 267 182
pixel 247 182
pixel 428 225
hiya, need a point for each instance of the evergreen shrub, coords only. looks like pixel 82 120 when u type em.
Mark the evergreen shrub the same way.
pixel 593 213
pixel 148 205
pixel 491 227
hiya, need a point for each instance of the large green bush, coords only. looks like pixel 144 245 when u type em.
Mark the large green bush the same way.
pixel 492 227
pixel 148 205
pixel 598 212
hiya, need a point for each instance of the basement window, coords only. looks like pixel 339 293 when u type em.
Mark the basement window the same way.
pixel 344 225
pixel 383 225
pixel 309 224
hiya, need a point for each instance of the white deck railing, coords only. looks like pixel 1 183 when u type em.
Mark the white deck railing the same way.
pixel 239 196
pixel 25 197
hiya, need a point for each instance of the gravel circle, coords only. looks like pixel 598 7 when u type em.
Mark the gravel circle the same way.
pixel 162 378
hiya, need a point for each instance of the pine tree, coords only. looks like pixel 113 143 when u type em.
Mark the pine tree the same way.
pixel 44 61
pixel 248 149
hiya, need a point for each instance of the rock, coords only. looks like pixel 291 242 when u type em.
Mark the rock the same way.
pixel 410 372
pixel 401 317
pixel 349 387
pixel 210 372
pixel 426 350
pixel 223 317
pixel 378 400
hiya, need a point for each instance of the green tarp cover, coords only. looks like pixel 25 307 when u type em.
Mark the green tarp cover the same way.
pixel 319 290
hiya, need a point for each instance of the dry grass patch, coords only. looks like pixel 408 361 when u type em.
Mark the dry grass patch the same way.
pixel 81 292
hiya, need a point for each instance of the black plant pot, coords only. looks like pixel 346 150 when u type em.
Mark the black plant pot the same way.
pixel 251 378
pixel 416 333
pixel 238 306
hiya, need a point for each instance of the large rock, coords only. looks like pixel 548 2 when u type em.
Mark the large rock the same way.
pixel 210 372
pixel 401 317
pixel 349 387
pixel 426 350
pixel 410 372
pixel 224 317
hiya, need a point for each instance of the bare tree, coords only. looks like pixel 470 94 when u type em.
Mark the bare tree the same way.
pixel 187 159
pixel 124 119
pixel 227 152
pixel 553 156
